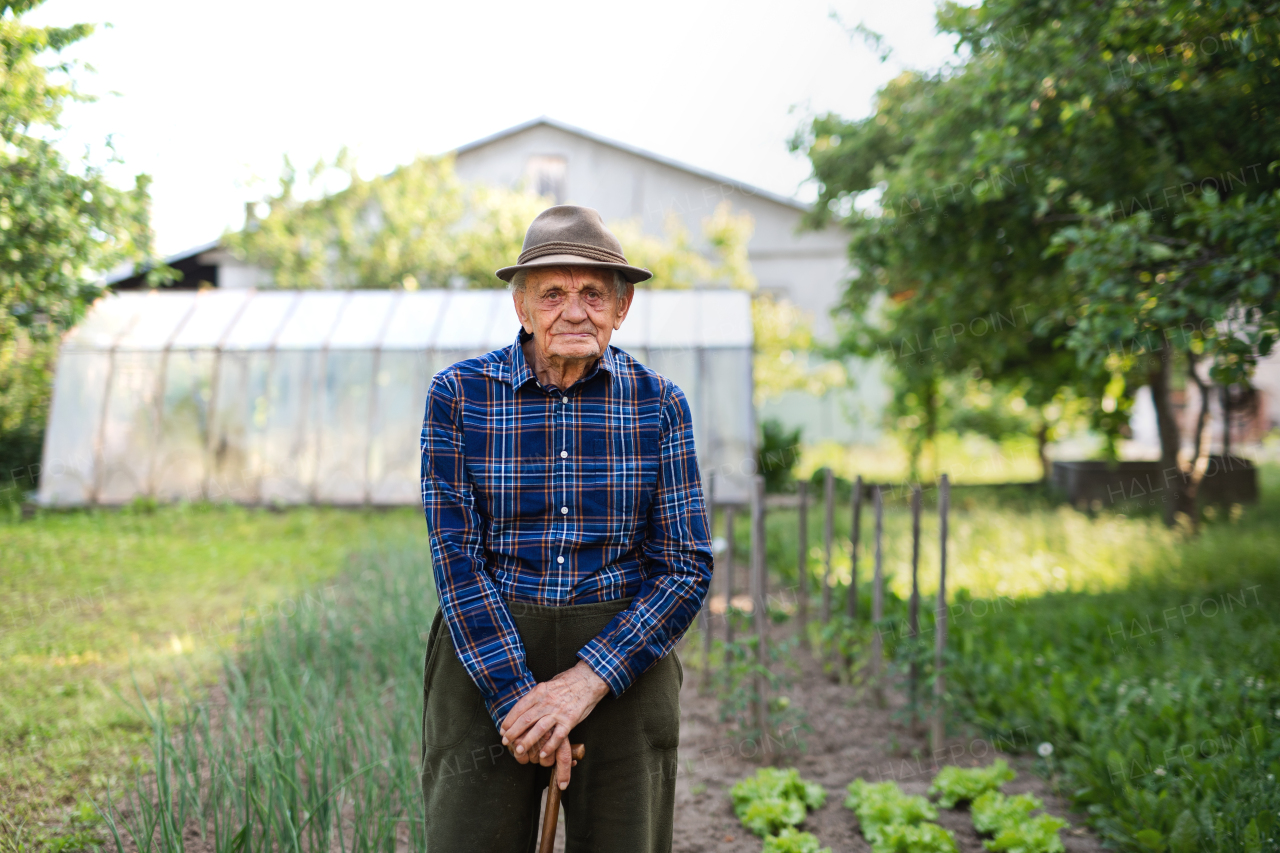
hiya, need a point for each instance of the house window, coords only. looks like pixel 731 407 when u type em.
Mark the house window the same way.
pixel 545 175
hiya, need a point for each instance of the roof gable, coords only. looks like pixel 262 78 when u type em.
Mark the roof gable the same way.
pixel 544 121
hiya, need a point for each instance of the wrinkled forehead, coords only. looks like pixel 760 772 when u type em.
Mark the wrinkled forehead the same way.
pixel 567 278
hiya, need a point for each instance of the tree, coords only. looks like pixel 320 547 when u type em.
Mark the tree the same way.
pixel 61 226
pixel 952 280
pixel 1209 290
pixel 419 226
pixel 1059 109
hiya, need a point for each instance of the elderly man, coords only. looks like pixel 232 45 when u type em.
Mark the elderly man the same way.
pixel 570 550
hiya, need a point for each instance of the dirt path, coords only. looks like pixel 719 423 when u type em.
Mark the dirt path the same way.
pixel 849 739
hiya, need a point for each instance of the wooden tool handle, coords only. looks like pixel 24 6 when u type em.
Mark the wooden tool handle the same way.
pixel 551 814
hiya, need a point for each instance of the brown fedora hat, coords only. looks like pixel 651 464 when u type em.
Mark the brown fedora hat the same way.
pixel 568 235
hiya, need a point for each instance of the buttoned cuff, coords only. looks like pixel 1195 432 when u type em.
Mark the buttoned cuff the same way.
pixel 501 704
pixel 607 663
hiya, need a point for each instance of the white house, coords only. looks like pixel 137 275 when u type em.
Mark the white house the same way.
pixel 623 182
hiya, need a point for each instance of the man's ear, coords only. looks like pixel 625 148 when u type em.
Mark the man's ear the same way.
pixel 624 305
pixel 517 297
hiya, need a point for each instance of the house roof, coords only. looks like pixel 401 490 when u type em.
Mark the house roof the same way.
pixel 741 186
pixel 129 270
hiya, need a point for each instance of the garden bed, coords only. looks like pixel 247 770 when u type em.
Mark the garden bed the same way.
pixel 850 738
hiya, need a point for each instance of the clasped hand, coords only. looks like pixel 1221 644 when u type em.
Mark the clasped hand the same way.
pixel 537 728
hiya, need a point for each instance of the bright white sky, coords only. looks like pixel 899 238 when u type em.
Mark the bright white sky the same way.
pixel 208 98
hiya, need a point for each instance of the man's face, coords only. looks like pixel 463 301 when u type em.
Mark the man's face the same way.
pixel 570 311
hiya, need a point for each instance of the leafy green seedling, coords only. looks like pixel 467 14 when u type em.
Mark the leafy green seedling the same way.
pixel 920 838
pixel 883 804
pixel 773 799
pixel 1037 835
pixel 766 817
pixel 793 841
pixel 958 784
pixel 993 811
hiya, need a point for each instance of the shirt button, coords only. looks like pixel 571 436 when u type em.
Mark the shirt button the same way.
pixel 559 559
pixel 564 510
pixel 564 454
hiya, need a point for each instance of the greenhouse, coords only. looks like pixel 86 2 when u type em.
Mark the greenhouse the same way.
pixel 289 397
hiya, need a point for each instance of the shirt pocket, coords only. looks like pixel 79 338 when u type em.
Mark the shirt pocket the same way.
pixel 619 473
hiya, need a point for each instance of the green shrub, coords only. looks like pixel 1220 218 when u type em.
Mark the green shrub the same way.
pixel 773 799
pixel 963 784
pixel 882 805
pixel 993 811
pixel 919 838
pixel 1037 835
pixel 793 841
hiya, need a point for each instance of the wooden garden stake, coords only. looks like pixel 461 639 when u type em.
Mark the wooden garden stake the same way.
pixel 728 574
pixel 877 592
pixel 759 595
pixel 828 523
pixel 855 532
pixel 939 686
pixel 913 609
pixel 802 562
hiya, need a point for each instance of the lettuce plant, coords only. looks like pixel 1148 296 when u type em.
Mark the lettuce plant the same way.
pixel 793 841
pixel 1035 835
pixel 773 799
pixel 918 838
pixel 959 784
pixel 993 811
pixel 883 805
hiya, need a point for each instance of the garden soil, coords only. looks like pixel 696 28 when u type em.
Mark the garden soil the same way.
pixel 848 736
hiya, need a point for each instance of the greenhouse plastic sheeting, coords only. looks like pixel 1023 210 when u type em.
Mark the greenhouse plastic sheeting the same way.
pixel 317 396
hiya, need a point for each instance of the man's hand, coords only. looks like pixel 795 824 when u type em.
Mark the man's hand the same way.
pixel 537 729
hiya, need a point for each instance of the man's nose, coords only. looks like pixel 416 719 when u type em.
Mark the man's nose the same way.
pixel 575 310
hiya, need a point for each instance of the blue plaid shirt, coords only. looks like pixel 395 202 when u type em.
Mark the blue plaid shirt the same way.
pixel 555 498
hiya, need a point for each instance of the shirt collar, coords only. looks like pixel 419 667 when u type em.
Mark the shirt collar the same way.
pixel 521 372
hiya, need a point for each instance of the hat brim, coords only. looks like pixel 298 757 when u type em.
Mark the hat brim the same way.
pixel 635 275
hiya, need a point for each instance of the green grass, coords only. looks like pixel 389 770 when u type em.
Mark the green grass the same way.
pixel 88 600
pixel 1015 543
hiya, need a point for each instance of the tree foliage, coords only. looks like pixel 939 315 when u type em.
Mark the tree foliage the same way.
pixel 1072 139
pixel 62 224
pixel 419 226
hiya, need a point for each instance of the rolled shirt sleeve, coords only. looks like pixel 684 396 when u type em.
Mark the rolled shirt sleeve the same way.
pixel 480 623
pixel 678 561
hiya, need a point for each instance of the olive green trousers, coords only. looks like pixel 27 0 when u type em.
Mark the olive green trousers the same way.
pixel 621 796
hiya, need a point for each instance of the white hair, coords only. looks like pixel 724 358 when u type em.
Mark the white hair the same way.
pixel 620 283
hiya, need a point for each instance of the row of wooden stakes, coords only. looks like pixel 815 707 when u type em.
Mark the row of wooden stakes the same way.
pixel 759 586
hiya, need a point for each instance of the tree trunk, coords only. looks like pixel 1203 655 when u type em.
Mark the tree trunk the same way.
pixel 1226 421
pixel 931 423
pixel 1042 445
pixel 1200 460
pixel 1171 476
